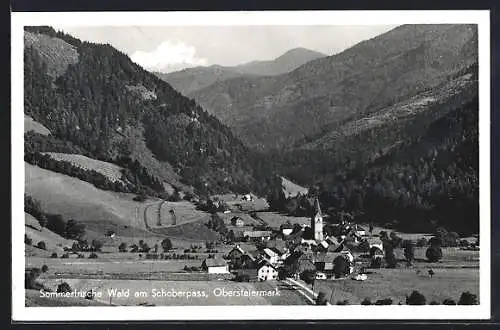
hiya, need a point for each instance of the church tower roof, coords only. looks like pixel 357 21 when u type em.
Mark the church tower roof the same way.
pixel 317 208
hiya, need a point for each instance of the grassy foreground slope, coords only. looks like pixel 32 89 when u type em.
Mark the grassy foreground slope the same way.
pixel 103 210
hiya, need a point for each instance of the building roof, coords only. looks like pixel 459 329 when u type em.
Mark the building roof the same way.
pixel 257 233
pixel 317 208
pixel 270 253
pixel 374 240
pixel 215 262
pixel 328 257
pixel 243 252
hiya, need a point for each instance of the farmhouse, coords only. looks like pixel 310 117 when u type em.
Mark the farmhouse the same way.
pixel 326 261
pixel 375 253
pixel 241 259
pixel 299 261
pixel 237 221
pixel 262 235
pixel 375 242
pixel 271 256
pixel 286 231
pixel 215 266
pixel 267 272
pixel 359 231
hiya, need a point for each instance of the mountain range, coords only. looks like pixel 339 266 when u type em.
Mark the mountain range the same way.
pixel 386 130
pixel 94 98
pixel 275 112
pixel 192 79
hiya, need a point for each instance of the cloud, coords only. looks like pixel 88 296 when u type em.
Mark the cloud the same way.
pixel 169 56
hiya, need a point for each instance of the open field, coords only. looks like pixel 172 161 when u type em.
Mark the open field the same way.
pixel 103 210
pixel 111 268
pixel 112 171
pixel 53 242
pixel 291 189
pixel 275 220
pixel 397 283
pixel 32 125
pixel 235 203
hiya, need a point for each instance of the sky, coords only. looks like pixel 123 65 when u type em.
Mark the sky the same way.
pixel 172 48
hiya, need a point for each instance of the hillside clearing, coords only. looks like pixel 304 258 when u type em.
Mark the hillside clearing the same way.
pixel 111 171
pixel 32 125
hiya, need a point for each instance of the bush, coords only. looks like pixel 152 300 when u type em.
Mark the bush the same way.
pixel 243 278
pixel 340 267
pixel 434 303
pixel 97 245
pixel 81 256
pixel 387 301
pixel 27 240
pixel 53 255
pixel 41 245
pixel 321 298
pixel 343 302
pixel 307 276
pixel 166 244
pixel 65 256
pixel 93 255
pixel 449 301
pixel 122 247
pixel 390 258
pixel 409 251
pixel 464 243
pixel 434 254
pixel 63 288
pixel 366 302
pixel 45 268
pixel 376 263
pixel 467 298
pixel 140 197
pixel 422 242
pixel 416 298
pixel 30 279
pixel 364 246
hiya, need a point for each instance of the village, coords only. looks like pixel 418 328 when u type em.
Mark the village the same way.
pixel 315 260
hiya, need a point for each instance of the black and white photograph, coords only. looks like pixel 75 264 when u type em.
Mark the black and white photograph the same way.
pixel 251 165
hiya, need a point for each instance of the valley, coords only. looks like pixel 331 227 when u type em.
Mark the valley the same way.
pixel 310 179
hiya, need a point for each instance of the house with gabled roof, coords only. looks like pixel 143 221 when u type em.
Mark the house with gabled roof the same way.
pixel 267 272
pixel 241 259
pixel 215 266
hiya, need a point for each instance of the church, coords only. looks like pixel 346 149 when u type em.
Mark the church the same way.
pixel 317 222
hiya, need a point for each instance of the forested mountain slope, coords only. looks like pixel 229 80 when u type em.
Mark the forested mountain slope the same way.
pixel 94 97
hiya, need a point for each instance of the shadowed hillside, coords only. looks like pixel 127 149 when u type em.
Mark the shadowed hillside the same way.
pixel 93 96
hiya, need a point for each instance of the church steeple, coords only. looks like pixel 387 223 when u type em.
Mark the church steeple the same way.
pixel 317 222
pixel 317 210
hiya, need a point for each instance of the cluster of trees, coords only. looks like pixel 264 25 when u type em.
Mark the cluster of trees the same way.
pixel 135 177
pixel 216 223
pixel 31 276
pixel 428 180
pixel 60 166
pixel 92 103
pixel 415 298
pixel 70 229
pixel 143 247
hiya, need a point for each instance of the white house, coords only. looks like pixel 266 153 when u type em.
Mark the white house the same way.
pixel 215 266
pixel 267 272
pixel 270 256
pixel 375 242
pixel 287 231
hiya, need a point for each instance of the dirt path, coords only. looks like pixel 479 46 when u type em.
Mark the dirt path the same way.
pixel 150 229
